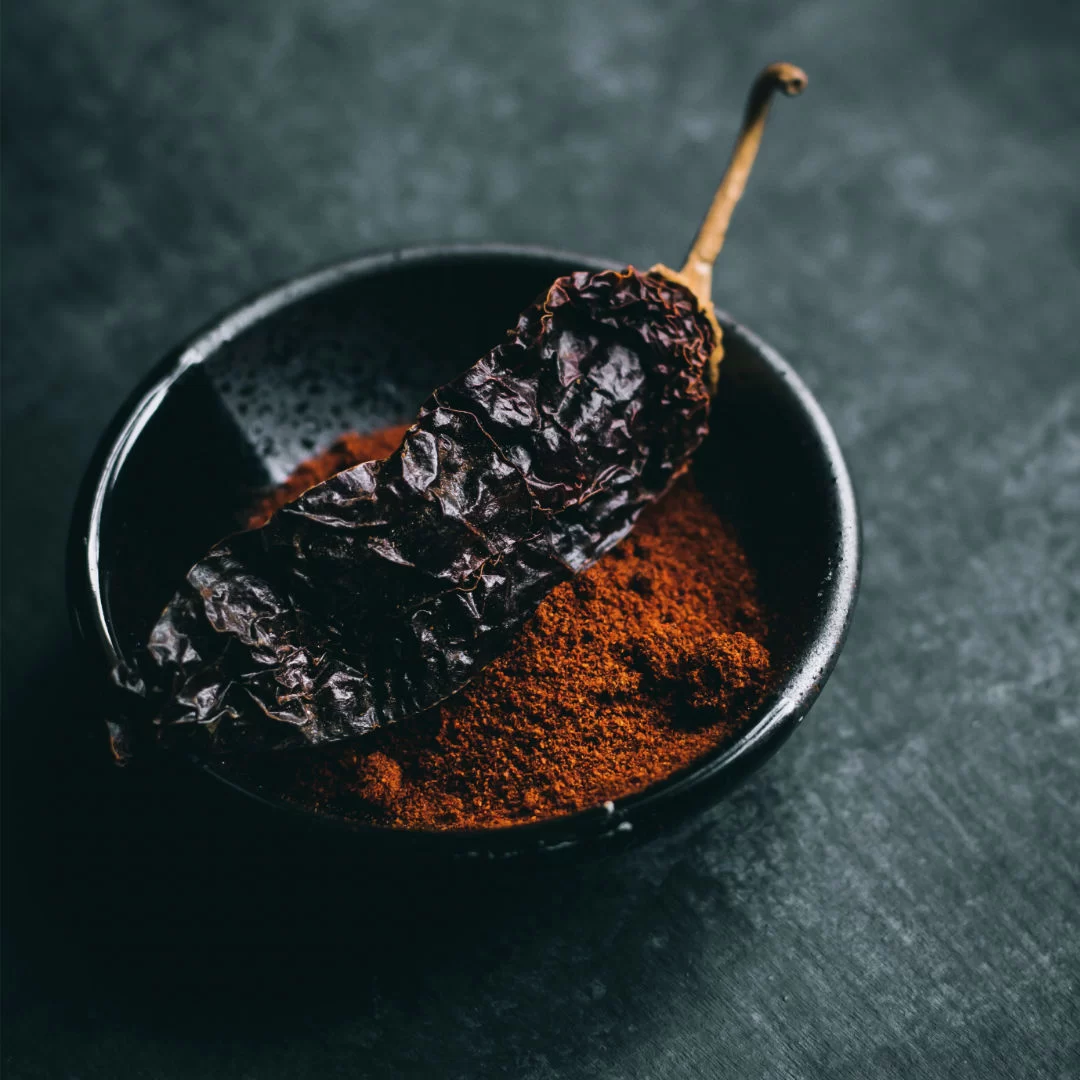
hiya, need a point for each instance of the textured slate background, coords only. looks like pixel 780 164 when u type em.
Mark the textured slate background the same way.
pixel 897 894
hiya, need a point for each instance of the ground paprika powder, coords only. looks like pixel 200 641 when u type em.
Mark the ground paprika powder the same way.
pixel 624 675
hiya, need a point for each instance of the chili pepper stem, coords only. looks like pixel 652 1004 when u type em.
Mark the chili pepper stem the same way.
pixel 697 270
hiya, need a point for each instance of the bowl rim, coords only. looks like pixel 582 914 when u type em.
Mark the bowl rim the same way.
pixel 713 774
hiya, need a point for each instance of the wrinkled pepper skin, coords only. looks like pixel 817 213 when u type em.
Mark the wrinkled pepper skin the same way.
pixel 384 589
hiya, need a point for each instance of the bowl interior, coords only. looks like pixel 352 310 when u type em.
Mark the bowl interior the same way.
pixel 358 347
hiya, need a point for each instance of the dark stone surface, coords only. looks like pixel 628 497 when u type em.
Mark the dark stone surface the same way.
pixel 897 895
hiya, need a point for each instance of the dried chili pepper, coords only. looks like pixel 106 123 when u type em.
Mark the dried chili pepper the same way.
pixel 384 589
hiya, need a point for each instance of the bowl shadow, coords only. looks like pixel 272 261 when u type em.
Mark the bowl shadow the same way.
pixel 156 900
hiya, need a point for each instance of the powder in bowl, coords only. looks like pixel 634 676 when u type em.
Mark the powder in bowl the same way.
pixel 624 675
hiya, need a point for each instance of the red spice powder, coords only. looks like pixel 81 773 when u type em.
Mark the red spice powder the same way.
pixel 624 675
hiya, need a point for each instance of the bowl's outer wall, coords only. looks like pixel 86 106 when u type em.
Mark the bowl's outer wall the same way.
pixel 359 346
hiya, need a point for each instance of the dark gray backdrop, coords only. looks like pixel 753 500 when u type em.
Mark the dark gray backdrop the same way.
pixel 897 894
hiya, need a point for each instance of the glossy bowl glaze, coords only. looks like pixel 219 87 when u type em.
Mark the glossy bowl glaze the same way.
pixel 358 346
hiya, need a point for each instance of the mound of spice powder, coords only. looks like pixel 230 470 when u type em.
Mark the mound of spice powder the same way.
pixel 624 675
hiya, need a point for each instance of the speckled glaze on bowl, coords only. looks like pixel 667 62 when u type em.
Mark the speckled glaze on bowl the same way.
pixel 357 346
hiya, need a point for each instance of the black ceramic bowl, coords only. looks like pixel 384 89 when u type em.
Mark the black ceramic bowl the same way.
pixel 357 346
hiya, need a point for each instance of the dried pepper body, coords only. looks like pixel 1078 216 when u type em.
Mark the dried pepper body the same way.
pixel 384 589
